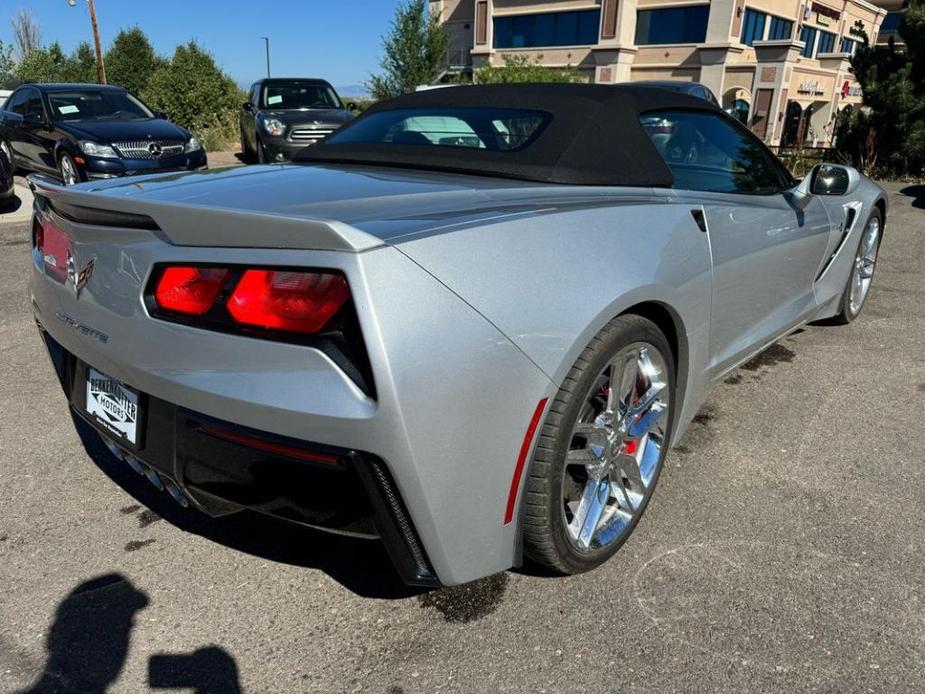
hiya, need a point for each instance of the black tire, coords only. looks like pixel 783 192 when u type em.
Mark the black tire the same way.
pixel 63 160
pixel 544 525
pixel 262 157
pixel 9 155
pixel 845 313
pixel 246 154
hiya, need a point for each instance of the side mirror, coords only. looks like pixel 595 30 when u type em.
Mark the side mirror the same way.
pixel 161 115
pixel 248 106
pixel 833 179
pixel 33 120
pixel 351 106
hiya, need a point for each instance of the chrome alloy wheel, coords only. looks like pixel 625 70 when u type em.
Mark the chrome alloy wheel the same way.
pixel 864 264
pixel 616 448
pixel 68 171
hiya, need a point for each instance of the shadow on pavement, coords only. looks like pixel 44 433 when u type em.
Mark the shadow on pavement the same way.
pixel 208 670
pixel 89 640
pixel 918 193
pixel 361 566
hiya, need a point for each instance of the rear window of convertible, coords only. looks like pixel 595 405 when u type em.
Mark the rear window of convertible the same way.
pixel 495 129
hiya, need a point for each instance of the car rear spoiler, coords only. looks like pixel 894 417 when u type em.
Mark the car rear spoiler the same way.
pixel 183 224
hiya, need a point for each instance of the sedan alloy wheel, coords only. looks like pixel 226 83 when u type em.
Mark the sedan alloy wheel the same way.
pixel 68 168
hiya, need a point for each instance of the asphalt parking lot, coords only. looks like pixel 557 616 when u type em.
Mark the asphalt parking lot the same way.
pixel 782 552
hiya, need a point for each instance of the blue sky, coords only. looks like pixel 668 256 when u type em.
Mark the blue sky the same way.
pixel 335 39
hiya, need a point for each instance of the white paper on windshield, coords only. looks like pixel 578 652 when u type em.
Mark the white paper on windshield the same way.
pixel 274 99
pixel 69 108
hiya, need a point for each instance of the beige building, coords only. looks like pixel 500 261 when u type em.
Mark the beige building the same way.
pixel 781 66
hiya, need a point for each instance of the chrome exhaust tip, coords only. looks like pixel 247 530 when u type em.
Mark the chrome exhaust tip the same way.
pixel 114 449
pixel 154 478
pixel 135 464
pixel 176 494
pixel 162 483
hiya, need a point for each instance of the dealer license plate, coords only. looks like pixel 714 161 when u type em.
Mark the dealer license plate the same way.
pixel 113 405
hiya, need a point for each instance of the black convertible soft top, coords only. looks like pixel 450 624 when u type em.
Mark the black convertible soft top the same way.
pixel 593 135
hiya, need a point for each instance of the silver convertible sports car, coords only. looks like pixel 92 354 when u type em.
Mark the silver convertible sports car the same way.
pixel 471 322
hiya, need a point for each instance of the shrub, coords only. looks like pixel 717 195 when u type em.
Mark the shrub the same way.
pixel 196 94
pixel 523 68
pixel 41 64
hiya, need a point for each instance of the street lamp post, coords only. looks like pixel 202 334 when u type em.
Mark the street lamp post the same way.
pixel 267 42
pixel 100 68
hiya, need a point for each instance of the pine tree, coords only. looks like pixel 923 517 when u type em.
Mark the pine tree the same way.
pixel 889 133
pixel 131 60
pixel 415 51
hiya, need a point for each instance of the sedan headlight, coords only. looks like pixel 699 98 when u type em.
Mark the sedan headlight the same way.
pixel 95 149
pixel 192 145
pixel 274 127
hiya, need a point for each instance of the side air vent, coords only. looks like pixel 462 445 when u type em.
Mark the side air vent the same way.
pixel 851 215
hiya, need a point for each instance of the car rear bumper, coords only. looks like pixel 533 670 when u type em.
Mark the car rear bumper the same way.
pixel 451 401
pixel 220 467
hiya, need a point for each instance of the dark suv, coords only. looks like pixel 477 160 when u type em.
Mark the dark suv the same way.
pixel 81 131
pixel 283 115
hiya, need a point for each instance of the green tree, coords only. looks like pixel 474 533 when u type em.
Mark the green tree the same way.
pixel 194 92
pixel 80 65
pixel 415 51
pixel 131 60
pixel 523 68
pixel 889 133
pixel 42 64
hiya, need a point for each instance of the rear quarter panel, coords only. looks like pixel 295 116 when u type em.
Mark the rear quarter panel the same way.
pixel 550 282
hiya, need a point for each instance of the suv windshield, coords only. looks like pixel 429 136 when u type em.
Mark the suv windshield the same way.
pixel 294 95
pixel 96 105
pixel 497 129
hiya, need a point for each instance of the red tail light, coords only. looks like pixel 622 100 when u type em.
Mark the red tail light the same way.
pixel 300 302
pixel 189 290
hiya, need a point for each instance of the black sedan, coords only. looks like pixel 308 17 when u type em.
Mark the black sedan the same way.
pixel 84 131
pixel 283 115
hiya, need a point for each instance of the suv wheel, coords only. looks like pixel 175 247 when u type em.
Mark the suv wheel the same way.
pixel 262 156
pixel 246 154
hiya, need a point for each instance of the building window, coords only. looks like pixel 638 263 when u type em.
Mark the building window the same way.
pixel 808 36
pixel 672 25
pixel 781 29
pixel 849 46
pixel 826 42
pixel 753 26
pixel 548 29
